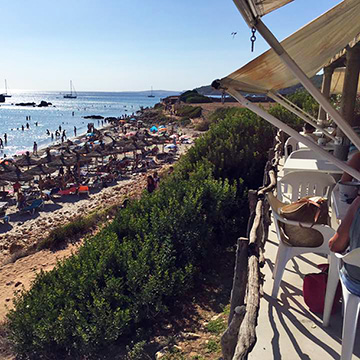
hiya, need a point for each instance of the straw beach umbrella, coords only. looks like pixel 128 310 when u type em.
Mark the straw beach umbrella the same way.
pixel 27 160
pixel 17 176
pixel 40 170
pixel 62 161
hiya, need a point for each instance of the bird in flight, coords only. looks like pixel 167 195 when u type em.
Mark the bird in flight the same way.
pixel 233 34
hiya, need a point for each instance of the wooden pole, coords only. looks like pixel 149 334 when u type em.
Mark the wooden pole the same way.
pixel 348 98
pixel 240 276
pixel 230 336
pixel 326 85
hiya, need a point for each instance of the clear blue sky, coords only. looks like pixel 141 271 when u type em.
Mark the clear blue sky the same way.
pixel 119 45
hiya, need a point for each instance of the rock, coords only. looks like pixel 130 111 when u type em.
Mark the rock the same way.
pixel 18 283
pixel 44 103
pixel 7 299
pixel 190 336
pixel 15 247
pixel 26 104
pixel 98 117
pixel 9 283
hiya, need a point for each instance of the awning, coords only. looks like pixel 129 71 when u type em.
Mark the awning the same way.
pixel 337 81
pixel 260 7
pixel 311 48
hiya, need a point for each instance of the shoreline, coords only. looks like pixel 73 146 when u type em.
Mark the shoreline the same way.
pixel 31 231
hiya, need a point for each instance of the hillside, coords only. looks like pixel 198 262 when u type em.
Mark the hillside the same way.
pixel 208 90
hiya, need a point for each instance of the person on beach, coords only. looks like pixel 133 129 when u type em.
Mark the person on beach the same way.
pixel 52 136
pixel 35 148
pixel 60 128
pixel 5 138
pixel 74 130
pixel 22 127
pixel 151 186
pixel 27 126
pixel 1 144
pixel 47 132
pixel 16 187
pixel 21 200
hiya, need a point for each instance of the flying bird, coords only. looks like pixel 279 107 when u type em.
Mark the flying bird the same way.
pixel 233 34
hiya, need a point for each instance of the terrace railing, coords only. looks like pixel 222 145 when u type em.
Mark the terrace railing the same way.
pixel 240 337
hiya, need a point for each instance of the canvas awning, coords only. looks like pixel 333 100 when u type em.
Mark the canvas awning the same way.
pixel 259 7
pixel 337 81
pixel 311 48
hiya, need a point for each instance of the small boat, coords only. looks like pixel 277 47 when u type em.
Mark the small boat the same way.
pixel 151 94
pixel 5 94
pixel 72 94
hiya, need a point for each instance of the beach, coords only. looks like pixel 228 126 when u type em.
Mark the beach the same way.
pixel 26 231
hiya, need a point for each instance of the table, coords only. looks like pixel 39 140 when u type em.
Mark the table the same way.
pixel 321 165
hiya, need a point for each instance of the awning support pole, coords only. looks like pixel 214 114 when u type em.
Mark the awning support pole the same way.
pixel 306 82
pixel 293 108
pixel 286 128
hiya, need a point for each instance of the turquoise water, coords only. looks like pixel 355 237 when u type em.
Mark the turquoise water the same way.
pixel 106 104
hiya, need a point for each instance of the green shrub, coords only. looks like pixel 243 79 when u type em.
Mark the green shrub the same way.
pixel 192 97
pixel 144 262
pixel 189 111
pixel 198 99
pixel 202 125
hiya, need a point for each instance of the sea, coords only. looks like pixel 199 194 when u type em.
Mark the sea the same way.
pixel 66 113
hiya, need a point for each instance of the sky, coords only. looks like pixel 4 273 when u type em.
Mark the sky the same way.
pixel 131 45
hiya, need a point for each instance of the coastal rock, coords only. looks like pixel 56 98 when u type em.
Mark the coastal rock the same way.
pixel 15 247
pixel 26 104
pixel 44 103
pixel 96 117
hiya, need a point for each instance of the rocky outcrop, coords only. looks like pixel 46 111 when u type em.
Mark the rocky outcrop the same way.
pixel 26 104
pixel 44 103
pixel 96 117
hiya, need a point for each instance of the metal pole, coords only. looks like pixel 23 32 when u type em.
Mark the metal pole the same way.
pixel 306 82
pixel 298 113
pixel 279 124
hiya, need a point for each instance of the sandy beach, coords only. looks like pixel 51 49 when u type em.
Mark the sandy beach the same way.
pixel 25 230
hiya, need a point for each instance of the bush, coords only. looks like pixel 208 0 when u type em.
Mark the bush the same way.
pixel 189 111
pixel 192 96
pixel 198 99
pixel 151 255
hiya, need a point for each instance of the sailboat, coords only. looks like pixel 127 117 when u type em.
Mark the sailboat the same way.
pixel 151 94
pixel 72 94
pixel 5 94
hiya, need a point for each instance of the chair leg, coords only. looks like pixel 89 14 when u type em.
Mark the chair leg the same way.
pixel 332 284
pixel 349 324
pixel 282 258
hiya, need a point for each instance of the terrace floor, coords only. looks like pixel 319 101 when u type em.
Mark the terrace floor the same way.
pixel 287 329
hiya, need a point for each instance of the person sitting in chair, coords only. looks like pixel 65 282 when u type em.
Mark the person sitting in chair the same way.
pixel 348 234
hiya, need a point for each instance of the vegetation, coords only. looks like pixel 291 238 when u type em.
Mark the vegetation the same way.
pixel 143 263
pixel 78 226
pixel 193 97
pixel 188 111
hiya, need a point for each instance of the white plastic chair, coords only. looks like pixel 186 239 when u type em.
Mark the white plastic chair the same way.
pixel 286 252
pixel 294 146
pixel 295 185
pixel 304 154
pixel 351 307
